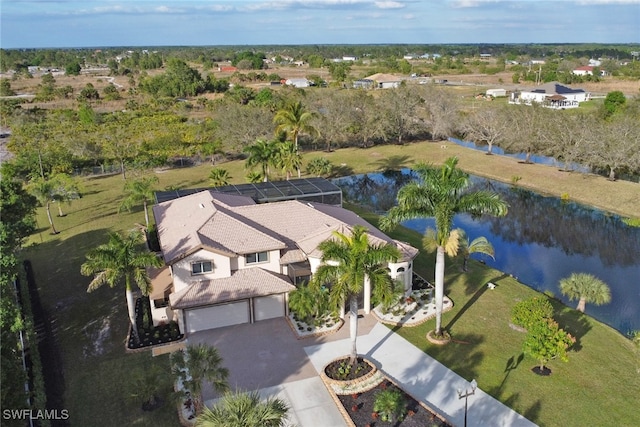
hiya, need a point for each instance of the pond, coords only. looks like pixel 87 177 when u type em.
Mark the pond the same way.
pixel 540 241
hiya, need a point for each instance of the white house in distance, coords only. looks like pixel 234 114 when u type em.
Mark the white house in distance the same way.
pixel 298 82
pixel 230 260
pixel 384 81
pixel 550 95
pixel 587 70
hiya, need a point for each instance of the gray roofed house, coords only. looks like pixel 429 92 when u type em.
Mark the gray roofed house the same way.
pixel 231 260
pixel 551 95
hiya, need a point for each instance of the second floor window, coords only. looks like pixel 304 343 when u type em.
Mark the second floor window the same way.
pixel 201 267
pixel 256 257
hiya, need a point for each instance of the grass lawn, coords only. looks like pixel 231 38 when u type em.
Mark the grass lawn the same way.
pixel 597 387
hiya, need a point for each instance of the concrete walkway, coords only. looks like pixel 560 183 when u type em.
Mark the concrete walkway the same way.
pixel 266 356
pixel 422 377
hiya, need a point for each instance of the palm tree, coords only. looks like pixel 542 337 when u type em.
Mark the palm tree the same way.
pixel 288 158
pixel 262 154
pixel 349 261
pixel 479 245
pixel 196 364
pixel 139 191
pixel 244 410
pixel 294 120
pixel 121 259
pixel 42 190
pixel 586 288
pixel 441 193
pixel 219 177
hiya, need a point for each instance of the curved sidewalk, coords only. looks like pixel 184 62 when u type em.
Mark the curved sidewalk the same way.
pixel 421 376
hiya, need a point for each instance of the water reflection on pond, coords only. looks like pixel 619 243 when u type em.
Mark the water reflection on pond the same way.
pixel 540 241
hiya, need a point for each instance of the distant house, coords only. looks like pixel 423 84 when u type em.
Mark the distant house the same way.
pixel 550 95
pixel 349 58
pixel 364 84
pixel 485 55
pixel 496 93
pixel 384 81
pixel 298 82
pixel 587 70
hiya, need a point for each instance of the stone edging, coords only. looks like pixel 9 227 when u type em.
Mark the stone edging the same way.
pixel 382 377
pixel 295 331
pixel 364 383
pixel 447 305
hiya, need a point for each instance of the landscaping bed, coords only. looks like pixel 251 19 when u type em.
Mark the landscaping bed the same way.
pixel 151 335
pixel 360 409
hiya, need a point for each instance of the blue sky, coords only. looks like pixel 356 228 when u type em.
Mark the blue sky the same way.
pixel 91 23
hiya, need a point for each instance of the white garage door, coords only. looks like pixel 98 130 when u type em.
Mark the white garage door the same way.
pixel 268 307
pixel 217 316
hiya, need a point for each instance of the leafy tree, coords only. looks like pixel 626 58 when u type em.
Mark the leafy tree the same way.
pixel 121 259
pixel 17 208
pixel 319 166
pixel 262 154
pixel 251 60
pixel 73 69
pixel 441 193
pixel 5 88
pixel 89 92
pixel 294 120
pixel 614 102
pixel 240 409
pixel 586 288
pixel 347 262
pixel 545 341
pixel 219 177
pixel 111 92
pixel 339 71
pixel 486 125
pixel 178 80
pixel 528 312
pixel 139 191
pixel 196 364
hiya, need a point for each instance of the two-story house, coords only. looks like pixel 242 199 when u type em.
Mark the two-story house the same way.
pixel 230 260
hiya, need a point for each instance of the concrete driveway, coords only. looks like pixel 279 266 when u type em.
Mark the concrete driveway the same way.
pixel 267 356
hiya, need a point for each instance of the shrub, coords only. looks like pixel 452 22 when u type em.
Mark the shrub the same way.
pixel 529 312
pixel 390 405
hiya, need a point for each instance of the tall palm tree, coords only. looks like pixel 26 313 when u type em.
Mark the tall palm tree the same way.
pixel 294 120
pixel 244 410
pixel 64 190
pixel 139 191
pixel 586 288
pixel 347 262
pixel 196 364
pixel 441 193
pixel 121 259
pixel 42 190
pixel 288 158
pixel 262 153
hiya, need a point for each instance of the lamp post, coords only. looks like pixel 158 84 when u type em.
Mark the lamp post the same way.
pixel 465 395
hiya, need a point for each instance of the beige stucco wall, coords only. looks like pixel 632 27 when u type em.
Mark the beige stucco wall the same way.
pixel 181 270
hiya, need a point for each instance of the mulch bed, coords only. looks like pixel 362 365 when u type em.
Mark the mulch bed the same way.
pixel 342 370
pixel 360 408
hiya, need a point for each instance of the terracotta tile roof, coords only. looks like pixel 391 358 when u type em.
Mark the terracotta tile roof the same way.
pixel 243 284
pixel 236 225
